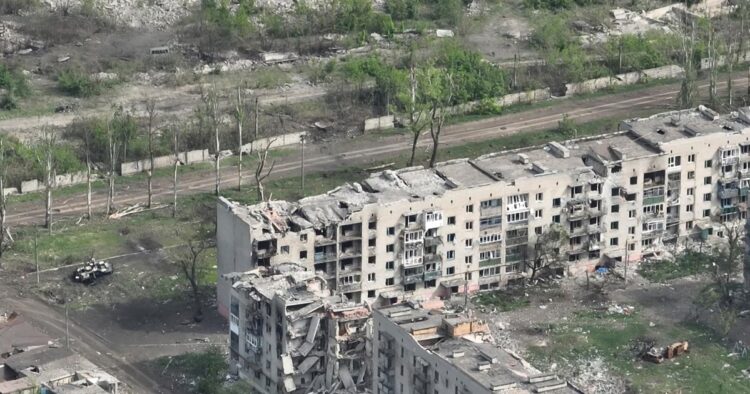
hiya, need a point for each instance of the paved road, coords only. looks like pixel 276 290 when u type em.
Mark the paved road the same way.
pixel 325 157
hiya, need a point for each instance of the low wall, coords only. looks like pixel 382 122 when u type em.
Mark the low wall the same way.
pixel 383 122
pixel 35 185
pixel 276 141
pixel 631 78
pixel 191 157
pixel 9 191
pixel 722 60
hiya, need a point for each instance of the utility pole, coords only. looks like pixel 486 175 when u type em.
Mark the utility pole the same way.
pixel 619 55
pixel 36 254
pixel 256 119
pixel 302 164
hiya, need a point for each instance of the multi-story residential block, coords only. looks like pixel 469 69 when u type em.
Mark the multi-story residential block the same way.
pixel 436 351
pixel 289 334
pixel 472 224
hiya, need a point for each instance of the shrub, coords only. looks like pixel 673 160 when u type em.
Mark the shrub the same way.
pixel 77 83
pixel 8 7
pixel 402 9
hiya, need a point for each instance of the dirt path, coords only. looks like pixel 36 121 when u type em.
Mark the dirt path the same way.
pixel 340 154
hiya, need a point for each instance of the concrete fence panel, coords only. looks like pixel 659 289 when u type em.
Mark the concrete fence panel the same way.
pixel 383 122
pixel 30 186
pixel 276 141
pixel 9 191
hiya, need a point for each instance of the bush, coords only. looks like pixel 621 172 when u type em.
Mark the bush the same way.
pixel 488 106
pixel 77 83
pixel 473 78
pixel 15 85
pixel 8 7
pixel 402 9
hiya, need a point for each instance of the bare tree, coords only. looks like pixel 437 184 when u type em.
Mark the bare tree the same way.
pixel 112 152
pixel 210 113
pixel 713 71
pixel 547 250
pixel 439 90
pixel 192 264
pixel 176 152
pixel 260 176
pixel 687 96
pixel 417 114
pixel 3 202
pixel 746 258
pixel 87 146
pixel 239 115
pixel 150 117
pixel 45 158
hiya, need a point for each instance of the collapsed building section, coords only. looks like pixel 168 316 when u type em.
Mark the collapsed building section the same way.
pixel 432 350
pixel 475 224
pixel 289 334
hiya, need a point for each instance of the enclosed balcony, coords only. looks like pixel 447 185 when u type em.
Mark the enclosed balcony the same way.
pixel 413 275
pixel 653 196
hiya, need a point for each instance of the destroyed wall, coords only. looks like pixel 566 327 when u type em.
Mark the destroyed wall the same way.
pixel 233 251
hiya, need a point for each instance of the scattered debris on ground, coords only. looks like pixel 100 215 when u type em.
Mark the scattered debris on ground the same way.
pixel 91 271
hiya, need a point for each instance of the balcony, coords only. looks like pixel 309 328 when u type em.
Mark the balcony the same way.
pixel 433 258
pixel 410 262
pixel 321 240
pixel 413 278
pixel 322 257
pixel 729 210
pixel 431 241
pixel 729 191
pixel 430 275
pixel 490 262
pixel 351 252
pixel 491 211
pixel 653 199
pixel 594 229
pixel 512 258
pixel 433 220
pixel 349 287
pixel 517 240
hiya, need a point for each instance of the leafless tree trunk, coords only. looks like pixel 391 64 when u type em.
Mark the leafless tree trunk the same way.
pixel 239 114
pixel 151 117
pixel 438 113
pixel 687 95
pixel 713 61
pixel 416 114
pixel 260 176
pixel 112 149
pixel 211 109
pixel 176 152
pixel 257 117
pixel 87 146
pixel 3 228
pixel 45 157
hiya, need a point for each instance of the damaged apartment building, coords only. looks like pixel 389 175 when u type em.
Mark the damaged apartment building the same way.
pixel 473 224
pixel 430 349
pixel 290 334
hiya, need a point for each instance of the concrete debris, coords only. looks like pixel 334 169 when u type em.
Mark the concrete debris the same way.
pixel 443 33
pixel 137 208
pixel 621 310
pixel 63 59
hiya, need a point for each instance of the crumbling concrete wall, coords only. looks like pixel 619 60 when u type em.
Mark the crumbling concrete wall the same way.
pixel 10 190
pixel 631 78
pixel 722 60
pixel 275 141
pixel 35 185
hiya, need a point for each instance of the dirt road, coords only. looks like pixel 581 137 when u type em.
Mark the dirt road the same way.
pixel 326 157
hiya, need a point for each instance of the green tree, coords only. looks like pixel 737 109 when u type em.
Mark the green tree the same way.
pixel 402 9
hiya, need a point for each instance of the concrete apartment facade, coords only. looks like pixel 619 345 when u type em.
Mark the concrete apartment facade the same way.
pixel 469 225
pixel 417 350
pixel 289 334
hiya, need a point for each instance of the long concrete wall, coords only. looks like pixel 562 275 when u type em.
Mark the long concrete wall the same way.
pixel 593 85
pixel 35 185
pixel 276 141
pixel 191 157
